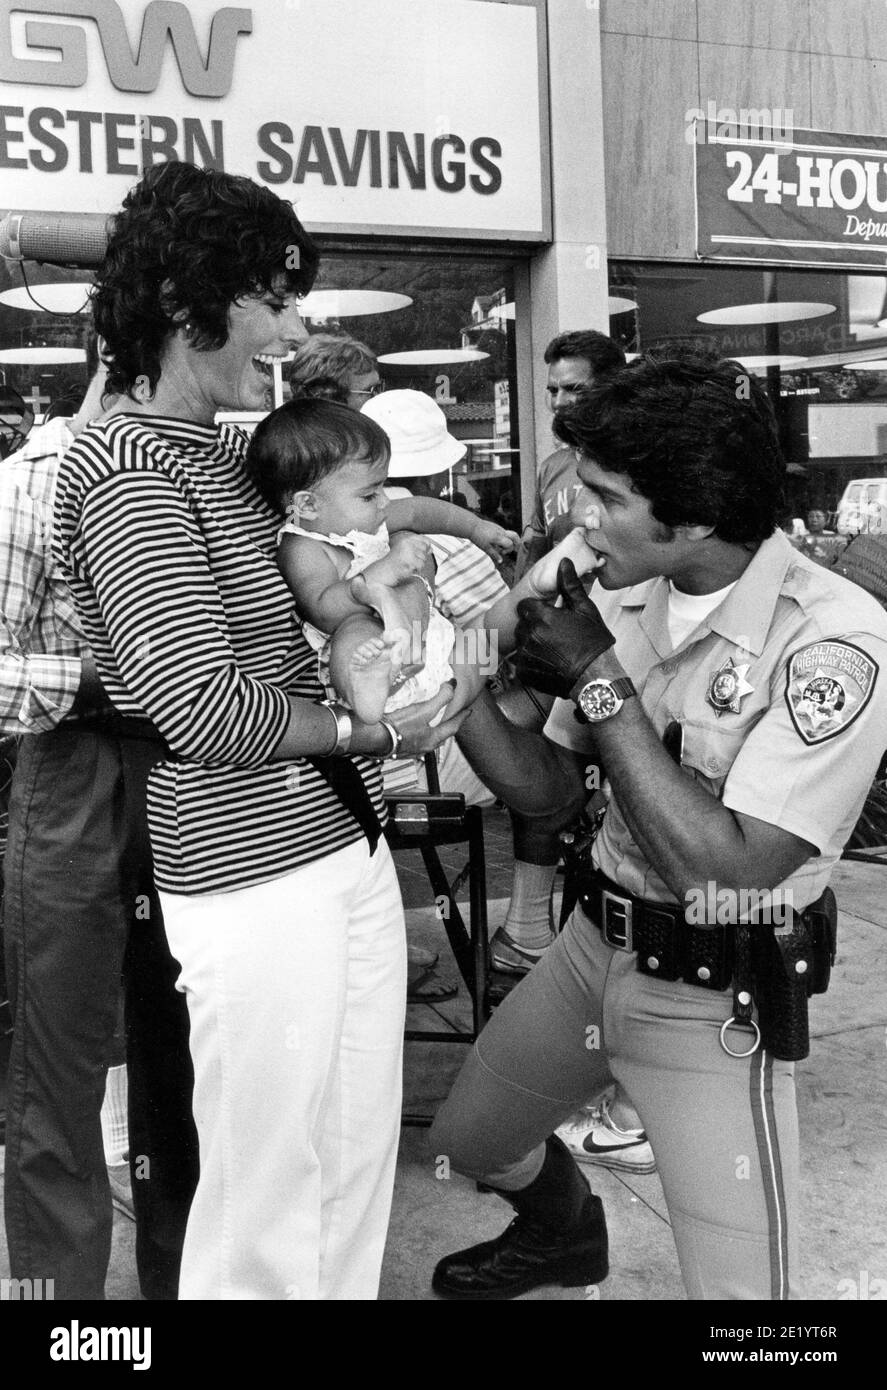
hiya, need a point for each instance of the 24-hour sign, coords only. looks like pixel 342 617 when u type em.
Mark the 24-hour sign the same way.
pixel 790 196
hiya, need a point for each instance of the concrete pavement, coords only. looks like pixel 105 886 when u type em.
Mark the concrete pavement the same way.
pixel 842 1092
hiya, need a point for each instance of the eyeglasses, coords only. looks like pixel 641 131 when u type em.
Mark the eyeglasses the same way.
pixel 370 390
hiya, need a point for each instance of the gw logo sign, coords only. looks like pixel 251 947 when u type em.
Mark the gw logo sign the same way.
pixel 163 18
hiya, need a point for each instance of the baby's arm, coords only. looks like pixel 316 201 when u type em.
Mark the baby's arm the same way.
pixel 432 514
pixel 322 596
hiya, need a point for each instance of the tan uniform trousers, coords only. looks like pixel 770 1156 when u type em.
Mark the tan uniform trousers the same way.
pixel 723 1129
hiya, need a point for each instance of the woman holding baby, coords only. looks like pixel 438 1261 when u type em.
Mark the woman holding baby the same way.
pixel 279 895
pixel 285 918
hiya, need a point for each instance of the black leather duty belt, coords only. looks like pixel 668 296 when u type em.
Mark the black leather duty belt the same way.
pixel 667 946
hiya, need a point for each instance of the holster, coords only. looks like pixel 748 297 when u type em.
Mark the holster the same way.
pixel 576 847
pixel 788 964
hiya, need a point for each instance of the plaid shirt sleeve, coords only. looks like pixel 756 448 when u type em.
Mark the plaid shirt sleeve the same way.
pixel 40 636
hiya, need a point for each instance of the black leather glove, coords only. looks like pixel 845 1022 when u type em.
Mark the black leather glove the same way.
pixel 555 645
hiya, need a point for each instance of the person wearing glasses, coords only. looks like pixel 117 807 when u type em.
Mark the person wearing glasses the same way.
pixel 335 368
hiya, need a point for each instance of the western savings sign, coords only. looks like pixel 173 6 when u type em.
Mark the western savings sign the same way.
pixel 412 116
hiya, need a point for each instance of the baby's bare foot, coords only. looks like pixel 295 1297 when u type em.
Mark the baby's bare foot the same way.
pixel 367 679
pixel 575 547
pixel 405 638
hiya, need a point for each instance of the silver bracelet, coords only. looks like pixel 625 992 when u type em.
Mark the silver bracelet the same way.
pixel 428 589
pixel 396 740
pixel 344 729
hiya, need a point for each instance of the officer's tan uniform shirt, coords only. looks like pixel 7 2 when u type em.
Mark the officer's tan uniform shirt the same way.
pixel 781 694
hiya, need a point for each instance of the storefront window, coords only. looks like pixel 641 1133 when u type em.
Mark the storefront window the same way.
pixel 818 339
pixel 448 330
pixel 42 335
pixel 445 322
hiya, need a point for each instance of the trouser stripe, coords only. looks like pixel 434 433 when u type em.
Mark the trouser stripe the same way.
pixel 764 1117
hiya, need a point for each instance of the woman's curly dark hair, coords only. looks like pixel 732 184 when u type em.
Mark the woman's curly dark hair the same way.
pixel 697 438
pixel 186 245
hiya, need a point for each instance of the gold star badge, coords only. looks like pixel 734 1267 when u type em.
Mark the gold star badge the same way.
pixel 728 687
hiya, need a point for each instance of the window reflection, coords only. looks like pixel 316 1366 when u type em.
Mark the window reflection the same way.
pixel 818 339
pixel 42 330
pixel 454 313
pixel 454 340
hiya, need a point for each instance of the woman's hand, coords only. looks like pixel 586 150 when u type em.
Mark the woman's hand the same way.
pixel 414 723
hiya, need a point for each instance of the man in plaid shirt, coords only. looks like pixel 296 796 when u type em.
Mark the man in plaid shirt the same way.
pixel 78 898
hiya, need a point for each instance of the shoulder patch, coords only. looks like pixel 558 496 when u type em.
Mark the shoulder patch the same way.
pixel 828 684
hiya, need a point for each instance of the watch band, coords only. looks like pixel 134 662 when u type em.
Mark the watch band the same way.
pixel 623 687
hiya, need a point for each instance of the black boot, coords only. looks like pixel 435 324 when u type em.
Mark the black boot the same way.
pixel 558 1237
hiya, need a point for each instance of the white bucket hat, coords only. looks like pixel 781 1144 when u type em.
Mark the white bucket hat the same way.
pixel 417 429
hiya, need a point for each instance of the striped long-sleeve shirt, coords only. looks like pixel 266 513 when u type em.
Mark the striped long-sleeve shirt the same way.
pixel 170 556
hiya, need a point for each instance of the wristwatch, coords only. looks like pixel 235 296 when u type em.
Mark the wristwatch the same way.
pixel 600 699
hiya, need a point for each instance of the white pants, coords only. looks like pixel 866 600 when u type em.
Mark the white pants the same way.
pixel 296 992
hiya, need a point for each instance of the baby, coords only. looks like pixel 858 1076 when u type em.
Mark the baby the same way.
pixel 347 552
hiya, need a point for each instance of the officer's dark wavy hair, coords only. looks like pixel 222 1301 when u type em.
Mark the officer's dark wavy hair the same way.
pixel 305 440
pixel 187 243
pixel 697 438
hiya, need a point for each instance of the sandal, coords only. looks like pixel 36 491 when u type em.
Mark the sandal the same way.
pixel 425 987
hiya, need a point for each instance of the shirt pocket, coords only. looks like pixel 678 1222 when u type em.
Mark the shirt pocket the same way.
pixel 710 747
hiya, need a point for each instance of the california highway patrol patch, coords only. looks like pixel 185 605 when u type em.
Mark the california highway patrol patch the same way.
pixel 828 684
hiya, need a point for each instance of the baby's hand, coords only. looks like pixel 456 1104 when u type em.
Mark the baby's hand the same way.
pixel 406 558
pixel 494 539
pixel 578 546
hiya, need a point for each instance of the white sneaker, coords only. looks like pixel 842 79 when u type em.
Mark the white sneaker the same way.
pixel 592 1137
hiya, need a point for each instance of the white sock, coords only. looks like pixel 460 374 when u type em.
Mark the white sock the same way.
pixel 115 1130
pixel 528 920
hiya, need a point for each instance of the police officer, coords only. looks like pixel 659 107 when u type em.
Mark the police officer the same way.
pixel 734 692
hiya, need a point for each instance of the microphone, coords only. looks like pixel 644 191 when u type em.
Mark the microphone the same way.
pixel 74 239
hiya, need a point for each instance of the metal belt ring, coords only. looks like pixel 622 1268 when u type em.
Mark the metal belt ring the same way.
pixel 750 1024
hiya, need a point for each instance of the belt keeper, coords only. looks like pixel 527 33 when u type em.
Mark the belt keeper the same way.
pixel 743 1003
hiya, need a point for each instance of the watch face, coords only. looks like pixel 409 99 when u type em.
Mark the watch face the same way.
pixel 599 701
